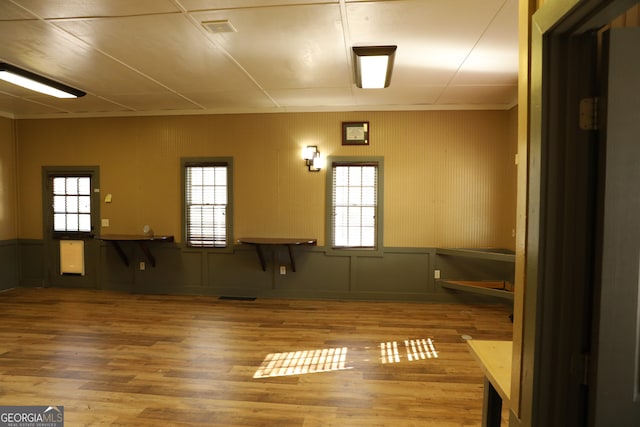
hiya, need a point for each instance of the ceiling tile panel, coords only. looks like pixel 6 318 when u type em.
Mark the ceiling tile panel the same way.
pixel 83 105
pixel 14 106
pixel 55 9
pixel 313 97
pixel 10 12
pixel 283 48
pixel 154 101
pixel 154 56
pixel 497 95
pixel 432 36
pixel 399 96
pixel 480 74
pixel 250 97
pixel 181 59
pixel 235 100
pixel 194 5
pixel 495 57
pixel 44 49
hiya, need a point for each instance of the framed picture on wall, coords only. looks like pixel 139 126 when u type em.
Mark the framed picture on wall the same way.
pixel 355 133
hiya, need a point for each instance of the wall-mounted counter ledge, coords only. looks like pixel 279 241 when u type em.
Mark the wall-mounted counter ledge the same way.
pixel 494 288
pixel 485 254
pixel 142 240
pixel 486 271
pixel 259 242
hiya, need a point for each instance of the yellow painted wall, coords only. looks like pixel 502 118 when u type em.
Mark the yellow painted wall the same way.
pixel 449 176
pixel 8 218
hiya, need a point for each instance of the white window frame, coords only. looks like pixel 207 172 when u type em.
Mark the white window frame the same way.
pixel 357 201
pixel 72 204
pixel 211 196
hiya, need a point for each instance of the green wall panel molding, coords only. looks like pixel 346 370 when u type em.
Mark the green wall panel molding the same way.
pixel 31 262
pixel 404 274
pixel 9 265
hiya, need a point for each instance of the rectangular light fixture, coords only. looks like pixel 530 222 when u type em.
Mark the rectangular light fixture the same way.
pixel 32 81
pixel 373 65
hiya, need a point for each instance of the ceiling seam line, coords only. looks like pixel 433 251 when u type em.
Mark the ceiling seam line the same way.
pixel 484 31
pixel 105 54
pixel 127 66
pixel 347 43
pixel 216 45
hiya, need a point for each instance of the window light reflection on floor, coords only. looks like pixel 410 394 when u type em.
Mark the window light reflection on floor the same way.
pixel 303 362
pixel 389 352
pixel 335 359
pixel 418 349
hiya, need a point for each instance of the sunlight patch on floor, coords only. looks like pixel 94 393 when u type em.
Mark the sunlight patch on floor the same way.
pixel 303 362
pixel 335 359
pixel 389 352
pixel 420 349
pixel 417 349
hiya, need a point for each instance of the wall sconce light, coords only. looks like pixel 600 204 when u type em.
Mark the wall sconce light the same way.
pixel 373 66
pixel 32 81
pixel 312 158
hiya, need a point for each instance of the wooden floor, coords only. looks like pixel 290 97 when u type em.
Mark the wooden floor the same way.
pixel 115 359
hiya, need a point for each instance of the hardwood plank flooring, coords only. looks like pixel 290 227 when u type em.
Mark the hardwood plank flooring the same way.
pixel 117 359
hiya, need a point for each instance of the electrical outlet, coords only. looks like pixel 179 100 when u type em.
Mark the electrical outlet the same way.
pixel 104 222
pixel 283 269
pixel 142 265
pixel 436 274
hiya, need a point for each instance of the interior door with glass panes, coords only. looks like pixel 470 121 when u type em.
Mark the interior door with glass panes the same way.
pixel 71 217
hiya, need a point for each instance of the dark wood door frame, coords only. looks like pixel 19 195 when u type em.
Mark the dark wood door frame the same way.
pixel 561 222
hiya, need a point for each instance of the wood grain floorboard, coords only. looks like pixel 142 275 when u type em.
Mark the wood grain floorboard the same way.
pixel 117 359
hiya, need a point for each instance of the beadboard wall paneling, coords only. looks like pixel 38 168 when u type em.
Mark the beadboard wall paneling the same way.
pixel 8 173
pixel 449 177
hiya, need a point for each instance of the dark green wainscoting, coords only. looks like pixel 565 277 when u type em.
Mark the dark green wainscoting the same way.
pixel 32 271
pixel 9 264
pixel 399 274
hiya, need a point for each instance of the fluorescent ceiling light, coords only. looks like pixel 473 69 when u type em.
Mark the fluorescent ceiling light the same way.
pixel 373 66
pixel 32 81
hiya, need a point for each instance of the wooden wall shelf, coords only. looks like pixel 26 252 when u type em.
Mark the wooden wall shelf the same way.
pixel 260 242
pixel 498 289
pixel 141 240
pixel 488 254
pixel 486 271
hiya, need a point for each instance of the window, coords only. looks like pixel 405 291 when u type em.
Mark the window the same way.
pixel 207 207
pixel 355 211
pixel 71 204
